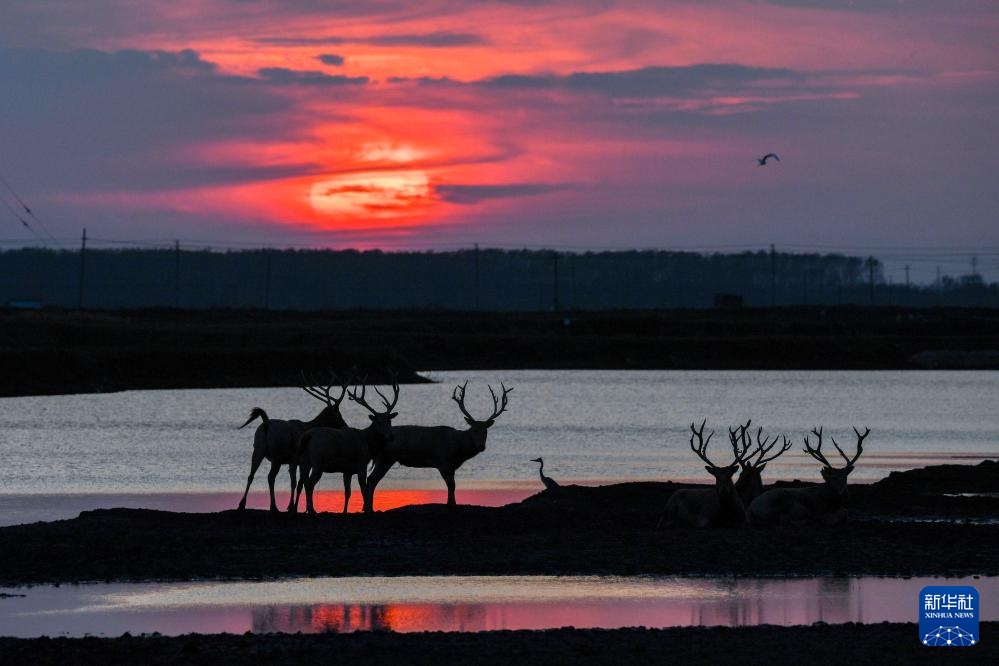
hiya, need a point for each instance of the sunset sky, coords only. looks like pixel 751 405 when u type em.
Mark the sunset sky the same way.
pixel 571 124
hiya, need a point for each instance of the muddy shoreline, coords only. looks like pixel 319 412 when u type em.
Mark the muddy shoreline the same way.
pixel 898 529
pixel 815 644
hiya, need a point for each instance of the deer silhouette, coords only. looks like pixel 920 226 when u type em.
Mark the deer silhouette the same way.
pixel 440 447
pixel 824 504
pixel 277 439
pixel 720 506
pixel 750 483
pixel 346 450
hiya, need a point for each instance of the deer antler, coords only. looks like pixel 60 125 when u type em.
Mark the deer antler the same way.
pixel 860 446
pixel 395 389
pixel 499 406
pixel 700 449
pixel 499 402
pixel 459 397
pixel 764 445
pixel 817 451
pixel 321 391
pixel 741 440
pixel 358 397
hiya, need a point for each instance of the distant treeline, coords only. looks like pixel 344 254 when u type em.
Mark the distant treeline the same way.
pixel 494 280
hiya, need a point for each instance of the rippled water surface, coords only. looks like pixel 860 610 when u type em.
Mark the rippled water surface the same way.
pixel 465 603
pixel 590 426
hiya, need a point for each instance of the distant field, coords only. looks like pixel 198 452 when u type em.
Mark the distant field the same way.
pixel 70 352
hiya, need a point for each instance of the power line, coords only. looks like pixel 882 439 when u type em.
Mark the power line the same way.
pixel 30 213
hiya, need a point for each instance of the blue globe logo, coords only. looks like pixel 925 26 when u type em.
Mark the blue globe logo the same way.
pixel 949 636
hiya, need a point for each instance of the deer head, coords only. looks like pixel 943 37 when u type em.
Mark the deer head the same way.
pixel 723 475
pixel 754 460
pixel 479 428
pixel 835 477
pixel 381 421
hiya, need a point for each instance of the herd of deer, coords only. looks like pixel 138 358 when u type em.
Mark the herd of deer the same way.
pixel 328 444
pixel 744 502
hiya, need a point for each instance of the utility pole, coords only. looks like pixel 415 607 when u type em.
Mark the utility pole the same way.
pixel 476 257
pixel 974 264
pixel 83 266
pixel 907 276
pixel 773 276
pixel 870 268
pixel 267 279
pixel 176 274
pixel 555 305
pixel 572 282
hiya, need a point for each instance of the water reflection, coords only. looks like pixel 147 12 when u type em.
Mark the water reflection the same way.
pixel 18 509
pixel 412 604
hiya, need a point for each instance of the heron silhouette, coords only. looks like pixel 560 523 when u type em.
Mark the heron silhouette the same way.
pixel 762 161
pixel 550 483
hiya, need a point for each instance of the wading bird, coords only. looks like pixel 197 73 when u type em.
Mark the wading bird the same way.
pixel 762 161
pixel 550 483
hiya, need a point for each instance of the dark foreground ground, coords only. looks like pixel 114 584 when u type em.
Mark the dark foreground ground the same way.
pixel 575 530
pixel 817 644
pixel 49 352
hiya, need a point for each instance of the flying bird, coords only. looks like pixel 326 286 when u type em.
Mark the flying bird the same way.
pixel 763 160
pixel 550 483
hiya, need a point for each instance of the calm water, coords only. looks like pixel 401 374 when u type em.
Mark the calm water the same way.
pixel 461 603
pixel 590 426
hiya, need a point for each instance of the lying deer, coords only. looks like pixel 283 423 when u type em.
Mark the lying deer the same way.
pixel 824 504
pixel 276 439
pixel 440 447
pixel 720 506
pixel 750 483
pixel 346 450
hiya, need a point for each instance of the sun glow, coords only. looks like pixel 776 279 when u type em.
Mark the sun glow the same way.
pixel 376 194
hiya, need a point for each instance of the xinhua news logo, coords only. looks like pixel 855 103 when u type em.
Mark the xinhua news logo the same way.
pixel 948 616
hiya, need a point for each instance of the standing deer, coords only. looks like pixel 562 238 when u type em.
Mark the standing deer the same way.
pixel 347 450
pixel 277 439
pixel 441 447
pixel 720 506
pixel 750 483
pixel 824 504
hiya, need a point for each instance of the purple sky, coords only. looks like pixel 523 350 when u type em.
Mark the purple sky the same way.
pixel 568 124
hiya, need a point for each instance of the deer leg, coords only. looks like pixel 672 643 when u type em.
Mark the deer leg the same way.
pixel 254 464
pixel 303 475
pixel 382 466
pixel 310 486
pixel 271 477
pixel 448 476
pixel 347 476
pixel 292 500
pixel 362 481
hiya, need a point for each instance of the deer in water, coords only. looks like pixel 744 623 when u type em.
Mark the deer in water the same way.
pixel 347 450
pixel 750 482
pixel 277 439
pixel 441 447
pixel 720 506
pixel 824 504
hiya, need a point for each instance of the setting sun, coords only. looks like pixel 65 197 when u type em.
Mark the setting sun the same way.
pixel 377 194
